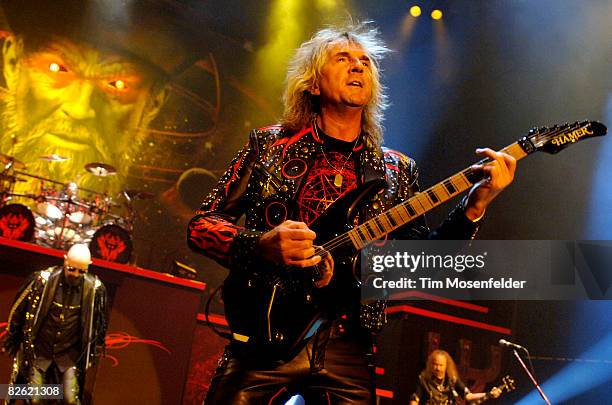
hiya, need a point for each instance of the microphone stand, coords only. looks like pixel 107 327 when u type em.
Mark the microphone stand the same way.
pixel 531 377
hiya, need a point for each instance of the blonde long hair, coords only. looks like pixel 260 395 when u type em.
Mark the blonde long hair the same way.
pixel 300 106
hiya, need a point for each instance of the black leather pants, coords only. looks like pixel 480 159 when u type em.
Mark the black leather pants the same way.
pixel 68 379
pixel 343 376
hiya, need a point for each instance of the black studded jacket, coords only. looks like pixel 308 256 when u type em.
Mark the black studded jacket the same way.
pixel 262 183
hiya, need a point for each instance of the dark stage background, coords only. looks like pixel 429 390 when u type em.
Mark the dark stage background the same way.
pixel 166 91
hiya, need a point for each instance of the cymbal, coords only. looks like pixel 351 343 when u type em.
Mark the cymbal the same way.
pixel 54 157
pixel 100 169
pixel 134 194
pixel 17 164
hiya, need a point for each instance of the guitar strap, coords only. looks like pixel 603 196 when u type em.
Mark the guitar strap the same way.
pixel 372 163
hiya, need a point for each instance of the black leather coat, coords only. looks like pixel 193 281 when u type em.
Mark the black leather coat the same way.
pixel 32 304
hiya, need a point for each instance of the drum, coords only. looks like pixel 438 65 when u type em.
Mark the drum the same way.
pixel 80 217
pixel 113 243
pixel 68 235
pixel 49 210
pixel 52 234
pixel 16 222
pixel 78 211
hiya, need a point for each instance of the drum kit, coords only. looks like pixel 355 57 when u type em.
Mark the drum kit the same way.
pixel 61 216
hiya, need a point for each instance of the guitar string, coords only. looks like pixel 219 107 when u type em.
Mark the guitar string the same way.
pixel 422 200
pixel 344 238
pixel 333 243
pixel 340 240
pixel 446 182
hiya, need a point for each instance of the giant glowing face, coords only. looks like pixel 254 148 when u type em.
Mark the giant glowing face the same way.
pixel 76 101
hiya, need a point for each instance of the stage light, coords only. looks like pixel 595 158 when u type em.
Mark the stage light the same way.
pixel 295 400
pixel 285 29
pixel 436 14
pixel 327 5
pixel 54 67
pixel 589 371
pixel 415 11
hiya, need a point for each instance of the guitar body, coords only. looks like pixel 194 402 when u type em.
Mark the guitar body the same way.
pixel 273 309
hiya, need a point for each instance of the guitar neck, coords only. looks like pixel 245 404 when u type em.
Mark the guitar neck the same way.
pixel 481 400
pixel 423 202
pixel 508 386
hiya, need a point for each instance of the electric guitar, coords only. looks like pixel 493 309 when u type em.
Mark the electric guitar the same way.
pixel 507 386
pixel 276 308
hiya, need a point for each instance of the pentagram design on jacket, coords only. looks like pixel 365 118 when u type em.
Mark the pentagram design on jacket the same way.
pixel 319 191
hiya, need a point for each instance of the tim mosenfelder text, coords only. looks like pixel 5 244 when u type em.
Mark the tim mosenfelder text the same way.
pixel 458 263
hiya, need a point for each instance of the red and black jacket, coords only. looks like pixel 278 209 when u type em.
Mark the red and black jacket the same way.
pixel 263 180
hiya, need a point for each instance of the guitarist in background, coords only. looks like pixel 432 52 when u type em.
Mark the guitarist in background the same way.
pixel 439 383
pixel 328 143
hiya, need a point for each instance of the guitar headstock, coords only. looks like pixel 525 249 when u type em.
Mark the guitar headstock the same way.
pixel 557 138
pixel 507 384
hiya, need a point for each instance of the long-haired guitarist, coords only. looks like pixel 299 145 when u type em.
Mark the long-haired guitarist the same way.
pixel 439 383
pixel 286 176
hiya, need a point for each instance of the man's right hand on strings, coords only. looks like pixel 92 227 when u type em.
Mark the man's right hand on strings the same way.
pixel 289 243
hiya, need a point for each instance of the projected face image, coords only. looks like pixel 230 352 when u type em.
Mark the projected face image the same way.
pixel 75 101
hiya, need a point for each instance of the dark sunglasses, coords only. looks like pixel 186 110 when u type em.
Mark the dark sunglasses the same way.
pixel 70 268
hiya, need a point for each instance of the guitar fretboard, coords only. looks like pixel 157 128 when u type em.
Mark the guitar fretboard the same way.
pixel 381 225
